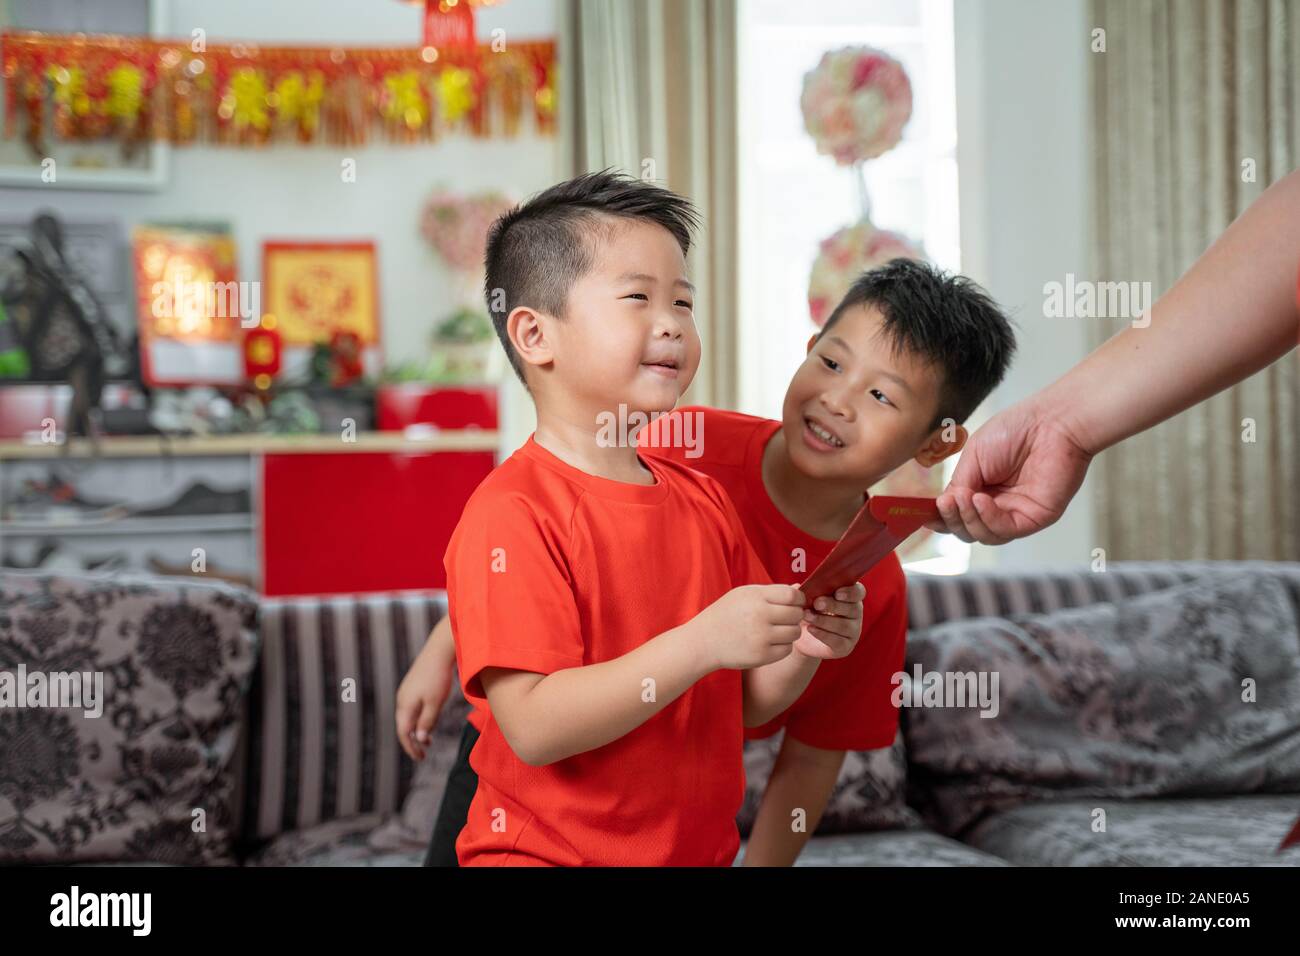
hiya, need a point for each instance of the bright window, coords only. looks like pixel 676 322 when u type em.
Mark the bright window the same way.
pixel 791 198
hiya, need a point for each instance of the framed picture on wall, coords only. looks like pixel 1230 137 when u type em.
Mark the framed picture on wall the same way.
pixel 190 305
pixel 315 289
pixel 82 165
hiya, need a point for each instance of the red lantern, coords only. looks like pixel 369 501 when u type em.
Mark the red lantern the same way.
pixel 262 351
pixel 449 27
pixel 449 24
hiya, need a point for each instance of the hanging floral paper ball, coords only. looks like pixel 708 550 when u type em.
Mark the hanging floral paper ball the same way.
pixel 846 255
pixel 855 103
pixel 457 226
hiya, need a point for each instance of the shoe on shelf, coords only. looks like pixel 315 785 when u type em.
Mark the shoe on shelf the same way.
pixel 199 499
pixel 50 556
pixel 43 553
pixel 58 502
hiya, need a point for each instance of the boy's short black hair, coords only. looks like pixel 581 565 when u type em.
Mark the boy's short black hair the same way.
pixel 946 320
pixel 538 250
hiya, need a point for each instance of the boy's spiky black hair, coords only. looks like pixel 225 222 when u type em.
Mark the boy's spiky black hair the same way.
pixel 946 320
pixel 539 249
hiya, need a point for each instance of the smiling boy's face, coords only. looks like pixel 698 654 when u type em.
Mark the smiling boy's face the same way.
pixel 628 333
pixel 856 411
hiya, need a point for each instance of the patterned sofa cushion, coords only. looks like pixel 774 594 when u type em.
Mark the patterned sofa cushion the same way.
pixel 347 841
pixel 1137 698
pixel 147 773
pixel 1181 831
pixel 322 741
pixel 869 792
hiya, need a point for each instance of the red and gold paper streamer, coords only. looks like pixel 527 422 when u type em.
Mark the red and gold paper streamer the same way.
pixel 134 90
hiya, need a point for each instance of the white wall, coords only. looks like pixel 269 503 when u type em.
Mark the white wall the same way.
pixel 1023 154
pixel 297 192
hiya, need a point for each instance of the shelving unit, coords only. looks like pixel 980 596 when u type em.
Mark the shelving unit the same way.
pixel 382 504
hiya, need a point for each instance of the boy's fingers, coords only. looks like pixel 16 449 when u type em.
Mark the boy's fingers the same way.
pixel 405 743
pixel 423 726
pixel 785 633
pixel 844 626
pixel 856 593
pixel 784 594
pixel 837 645
pixel 811 646
pixel 830 606
pixel 785 614
pixel 408 744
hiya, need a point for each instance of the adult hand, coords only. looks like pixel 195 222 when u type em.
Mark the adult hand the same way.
pixel 1015 476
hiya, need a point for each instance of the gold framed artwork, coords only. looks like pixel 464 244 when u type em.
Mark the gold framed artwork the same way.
pixel 316 289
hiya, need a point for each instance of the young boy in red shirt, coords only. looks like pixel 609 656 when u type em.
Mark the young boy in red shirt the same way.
pixel 603 605
pixel 907 349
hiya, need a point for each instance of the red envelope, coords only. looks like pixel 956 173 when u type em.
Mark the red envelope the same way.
pixel 880 527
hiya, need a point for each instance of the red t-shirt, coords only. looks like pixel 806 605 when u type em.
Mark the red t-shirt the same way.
pixel 552 568
pixel 847 706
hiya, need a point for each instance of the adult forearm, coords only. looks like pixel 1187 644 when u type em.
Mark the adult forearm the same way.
pixel 1232 314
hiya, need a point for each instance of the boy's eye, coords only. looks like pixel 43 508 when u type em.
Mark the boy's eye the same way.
pixel 830 363
pixel 683 302
pixel 876 391
pixel 637 295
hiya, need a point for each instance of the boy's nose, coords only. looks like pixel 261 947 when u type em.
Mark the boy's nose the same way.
pixel 836 402
pixel 668 326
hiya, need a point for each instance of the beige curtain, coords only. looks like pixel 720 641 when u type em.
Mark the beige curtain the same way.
pixel 654 94
pixel 1187 95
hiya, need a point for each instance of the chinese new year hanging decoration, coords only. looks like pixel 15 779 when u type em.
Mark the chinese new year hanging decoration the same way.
pixel 449 24
pixel 136 90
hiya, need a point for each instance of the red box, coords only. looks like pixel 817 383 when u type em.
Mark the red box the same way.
pixel 470 406
pixel 365 521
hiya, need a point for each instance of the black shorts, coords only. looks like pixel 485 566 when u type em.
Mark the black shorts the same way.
pixel 462 781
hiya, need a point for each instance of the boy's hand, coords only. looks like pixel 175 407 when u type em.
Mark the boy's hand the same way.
pixel 422 694
pixel 752 625
pixel 833 625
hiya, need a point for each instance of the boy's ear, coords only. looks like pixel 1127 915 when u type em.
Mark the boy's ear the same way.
pixel 944 442
pixel 528 333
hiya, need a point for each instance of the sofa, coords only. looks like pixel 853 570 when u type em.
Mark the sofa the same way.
pixel 1147 714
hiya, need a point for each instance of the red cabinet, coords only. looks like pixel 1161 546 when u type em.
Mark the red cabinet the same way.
pixel 362 521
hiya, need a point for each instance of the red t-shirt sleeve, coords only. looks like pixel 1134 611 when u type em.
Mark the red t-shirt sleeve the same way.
pixel 509 592
pixel 854 710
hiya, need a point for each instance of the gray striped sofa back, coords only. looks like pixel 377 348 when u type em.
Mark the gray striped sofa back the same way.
pixel 309 755
pixel 934 599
